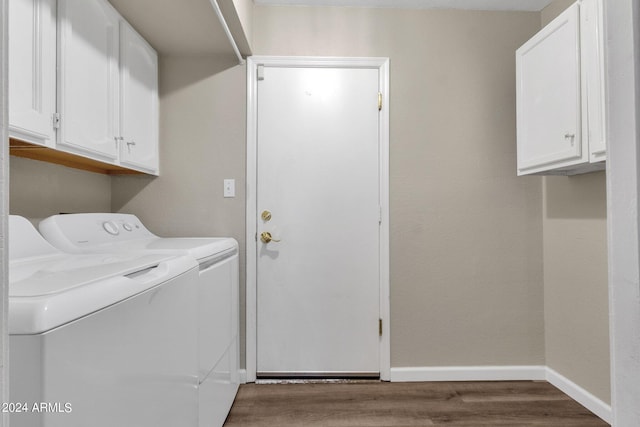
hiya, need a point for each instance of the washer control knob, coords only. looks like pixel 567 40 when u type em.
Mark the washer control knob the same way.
pixel 127 226
pixel 111 228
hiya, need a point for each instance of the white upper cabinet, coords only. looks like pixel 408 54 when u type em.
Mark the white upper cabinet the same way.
pixel 560 111
pixel 32 71
pixel 82 81
pixel 139 101
pixel 88 78
pixel 549 102
pixel 591 22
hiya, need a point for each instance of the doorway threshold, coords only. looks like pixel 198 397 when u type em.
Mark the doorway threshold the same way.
pixel 309 380
pixel 316 377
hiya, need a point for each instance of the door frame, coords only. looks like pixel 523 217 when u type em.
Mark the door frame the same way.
pixel 382 65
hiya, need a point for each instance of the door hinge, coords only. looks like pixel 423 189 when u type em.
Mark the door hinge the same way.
pixel 260 72
pixel 379 327
pixel 379 215
pixel 379 101
pixel 55 118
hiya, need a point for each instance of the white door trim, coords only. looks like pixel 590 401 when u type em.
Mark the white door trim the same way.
pixel 382 64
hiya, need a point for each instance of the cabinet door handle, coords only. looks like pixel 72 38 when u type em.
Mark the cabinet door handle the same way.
pixel 571 136
pixel 129 145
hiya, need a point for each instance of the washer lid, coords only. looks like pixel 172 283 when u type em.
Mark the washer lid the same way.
pixel 48 288
pixel 51 291
pixel 199 248
pixel 61 272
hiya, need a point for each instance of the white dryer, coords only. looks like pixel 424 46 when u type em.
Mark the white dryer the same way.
pixel 100 340
pixel 218 306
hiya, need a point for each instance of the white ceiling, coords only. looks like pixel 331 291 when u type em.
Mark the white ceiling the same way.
pixel 525 5
pixel 184 27
pixel 191 27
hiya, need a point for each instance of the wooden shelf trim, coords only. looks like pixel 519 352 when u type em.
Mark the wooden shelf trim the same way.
pixel 37 152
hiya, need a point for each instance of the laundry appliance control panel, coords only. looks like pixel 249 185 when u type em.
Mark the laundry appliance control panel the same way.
pixel 91 230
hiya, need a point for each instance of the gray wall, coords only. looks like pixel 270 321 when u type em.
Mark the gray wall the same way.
pixel 202 142
pixel 466 233
pixel 40 189
pixel 466 265
pixel 245 14
pixel 575 273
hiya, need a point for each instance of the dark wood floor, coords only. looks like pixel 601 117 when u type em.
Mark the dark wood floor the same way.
pixel 371 404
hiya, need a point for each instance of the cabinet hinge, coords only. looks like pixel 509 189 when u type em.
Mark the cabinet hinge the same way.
pixel 379 101
pixel 55 119
pixel 379 327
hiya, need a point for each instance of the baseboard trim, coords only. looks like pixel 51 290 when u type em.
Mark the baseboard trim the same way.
pixel 242 376
pixel 506 373
pixel 468 373
pixel 580 395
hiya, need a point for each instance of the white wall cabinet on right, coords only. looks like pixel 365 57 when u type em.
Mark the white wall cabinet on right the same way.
pixel 560 95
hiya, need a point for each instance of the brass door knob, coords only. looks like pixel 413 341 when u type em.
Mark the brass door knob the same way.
pixel 266 216
pixel 266 237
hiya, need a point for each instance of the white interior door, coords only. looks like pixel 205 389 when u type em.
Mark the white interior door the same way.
pixel 318 287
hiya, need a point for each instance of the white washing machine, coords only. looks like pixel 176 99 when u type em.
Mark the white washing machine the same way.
pixel 100 340
pixel 218 306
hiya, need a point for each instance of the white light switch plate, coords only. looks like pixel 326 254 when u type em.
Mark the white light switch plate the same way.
pixel 229 188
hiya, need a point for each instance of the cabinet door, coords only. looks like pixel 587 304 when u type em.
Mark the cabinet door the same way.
pixel 549 97
pixel 32 70
pixel 139 101
pixel 88 78
pixel 591 28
